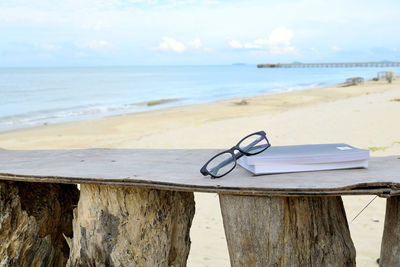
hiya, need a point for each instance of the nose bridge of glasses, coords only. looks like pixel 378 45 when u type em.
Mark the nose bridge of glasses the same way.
pixel 234 150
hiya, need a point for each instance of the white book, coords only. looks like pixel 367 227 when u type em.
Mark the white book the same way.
pixel 284 168
pixel 307 154
pixel 283 159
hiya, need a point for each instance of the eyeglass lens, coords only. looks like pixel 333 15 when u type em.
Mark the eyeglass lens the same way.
pixel 221 164
pixel 253 144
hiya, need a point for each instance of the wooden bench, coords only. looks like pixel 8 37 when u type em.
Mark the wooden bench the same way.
pixel 136 206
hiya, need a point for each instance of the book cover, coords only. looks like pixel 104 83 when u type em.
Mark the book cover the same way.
pixel 307 154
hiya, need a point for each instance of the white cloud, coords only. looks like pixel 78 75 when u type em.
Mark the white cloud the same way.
pixel 257 44
pixel 49 47
pixel 314 50
pixel 280 36
pixel 335 48
pixel 278 42
pixel 196 43
pixel 171 44
pixel 95 44
pixel 276 50
pixel 97 25
pixel 258 53
pixel 235 44
pixel 80 54
pixel 143 1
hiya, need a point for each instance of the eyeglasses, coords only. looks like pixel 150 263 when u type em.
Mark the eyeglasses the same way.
pixel 224 162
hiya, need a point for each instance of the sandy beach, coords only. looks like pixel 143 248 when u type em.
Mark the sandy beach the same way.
pixel 365 116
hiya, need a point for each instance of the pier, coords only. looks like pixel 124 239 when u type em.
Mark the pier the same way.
pixel 331 65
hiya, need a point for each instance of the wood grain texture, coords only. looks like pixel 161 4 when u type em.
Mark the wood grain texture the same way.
pixel 178 169
pixel 286 231
pixel 33 220
pixel 126 226
pixel 390 248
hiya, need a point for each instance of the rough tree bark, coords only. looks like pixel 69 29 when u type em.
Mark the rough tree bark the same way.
pixel 286 231
pixel 33 219
pixel 128 226
pixel 390 248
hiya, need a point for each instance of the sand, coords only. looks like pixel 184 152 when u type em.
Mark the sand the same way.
pixel 365 116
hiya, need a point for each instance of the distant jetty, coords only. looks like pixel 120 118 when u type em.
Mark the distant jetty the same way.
pixel 331 65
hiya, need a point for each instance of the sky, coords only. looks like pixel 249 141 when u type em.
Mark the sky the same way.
pixel 49 33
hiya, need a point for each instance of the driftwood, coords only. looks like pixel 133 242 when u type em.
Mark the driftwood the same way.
pixel 353 81
pixel 178 169
pixel 390 248
pixel 126 216
pixel 127 226
pixel 286 231
pixel 33 219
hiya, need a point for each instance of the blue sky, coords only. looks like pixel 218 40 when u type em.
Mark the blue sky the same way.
pixel 179 32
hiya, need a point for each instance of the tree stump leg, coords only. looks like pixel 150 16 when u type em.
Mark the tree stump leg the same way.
pixel 33 219
pixel 286 231
pixel 129 226
pixel 390 248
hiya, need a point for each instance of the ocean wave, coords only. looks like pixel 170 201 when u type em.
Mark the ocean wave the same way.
pixel 77 112
pixel 294 88
pixel 156 102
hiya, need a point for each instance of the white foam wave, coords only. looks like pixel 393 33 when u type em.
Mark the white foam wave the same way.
pixel 76 113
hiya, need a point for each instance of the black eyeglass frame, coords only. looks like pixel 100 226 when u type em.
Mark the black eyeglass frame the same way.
pixel 235 156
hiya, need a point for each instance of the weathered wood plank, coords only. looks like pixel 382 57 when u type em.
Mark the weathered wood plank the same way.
pixel 127 226
pixel 33 222
pixel 179 170
pixel 286 231
pixel 390 248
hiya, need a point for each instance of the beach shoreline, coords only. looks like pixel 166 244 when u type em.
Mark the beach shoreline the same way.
pixel 36 97
pixel 216 110
pixel 165 104
pixel 365 116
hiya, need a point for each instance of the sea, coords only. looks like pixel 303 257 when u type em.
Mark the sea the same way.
pixel 41 96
